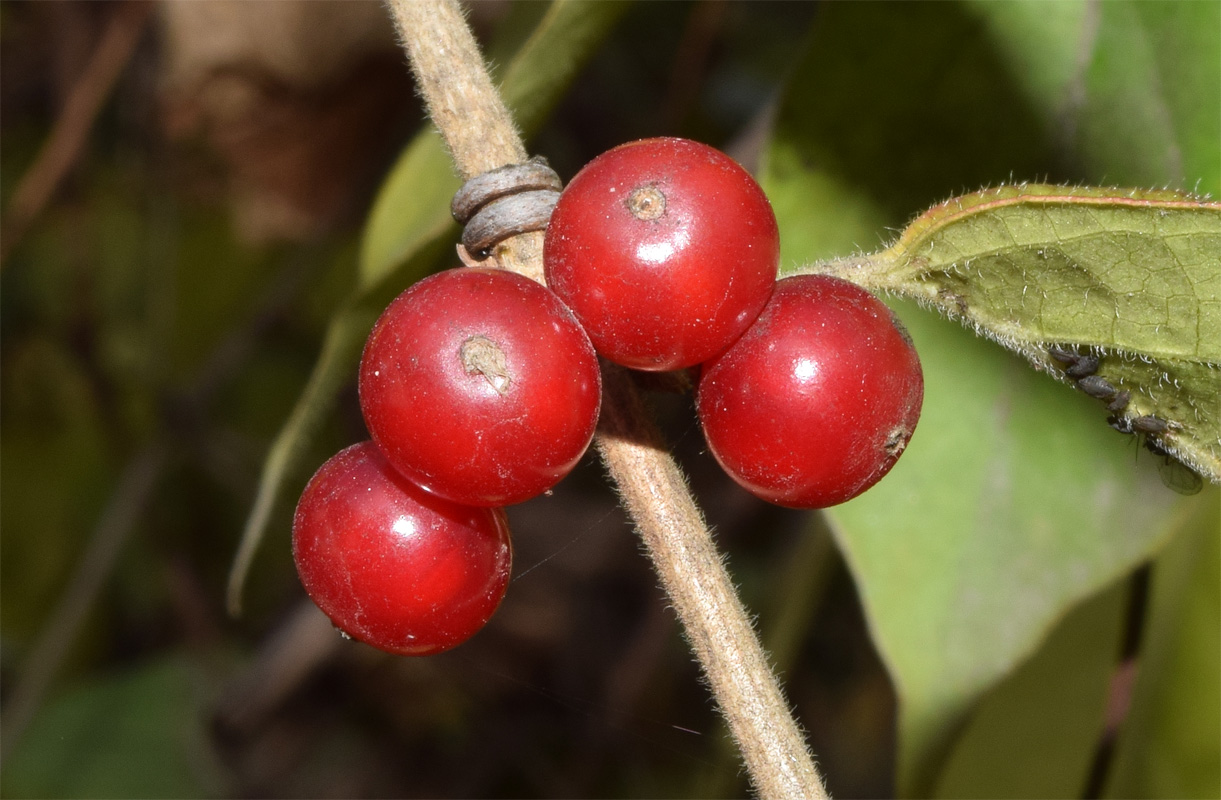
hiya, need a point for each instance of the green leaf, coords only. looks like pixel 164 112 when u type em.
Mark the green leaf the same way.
pixel 1010 505
pixel 1014 500
pixel 408 230
pixel 340 348
pixel 1129 88
pixel 137 734
pixel 864 143
pixel 58 471
pixel 1170 745
pixel 1035 734
pixel 553 56
pixel 1134 277
pixel 411 210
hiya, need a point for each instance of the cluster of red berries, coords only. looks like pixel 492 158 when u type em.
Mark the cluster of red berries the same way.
pixel 481 388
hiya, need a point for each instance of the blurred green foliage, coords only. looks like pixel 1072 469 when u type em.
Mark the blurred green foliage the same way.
pixel 140 733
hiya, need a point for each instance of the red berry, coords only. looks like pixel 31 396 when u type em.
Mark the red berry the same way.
pixel 480 386
pixel 665 249
pixel 815 402
pixel 392 565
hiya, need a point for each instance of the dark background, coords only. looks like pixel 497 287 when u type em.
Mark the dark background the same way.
pixel 160 314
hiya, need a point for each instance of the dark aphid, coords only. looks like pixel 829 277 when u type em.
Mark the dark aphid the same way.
pixel 1097 386
pixel 1062 355
pixel 1083 366
pixel 1075 364
pixel 1174 473
pixel 1120 402
pixel 1145 424
pixel 1150 424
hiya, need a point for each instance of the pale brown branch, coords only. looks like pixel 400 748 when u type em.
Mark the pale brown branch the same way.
pixel 656 496
pixel 63 146
pixel 456 87
pixel 477 127
pixel 466 108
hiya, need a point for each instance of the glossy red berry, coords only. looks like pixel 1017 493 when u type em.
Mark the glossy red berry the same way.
pixel 815 402
pixel 480 386
pixel 392 565
pixel 665 249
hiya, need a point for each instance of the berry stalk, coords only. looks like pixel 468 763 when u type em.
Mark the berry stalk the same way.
pixel 476 126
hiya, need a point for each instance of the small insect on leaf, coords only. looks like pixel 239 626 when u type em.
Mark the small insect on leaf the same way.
pixel 1062 355
pixel 1179 477
pixel 1150 424
pixel 1097 386
pixel 1174 474
pixel 1082 367
pixel 1120 402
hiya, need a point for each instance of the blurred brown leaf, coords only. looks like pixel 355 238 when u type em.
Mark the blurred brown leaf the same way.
pixel 302 101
